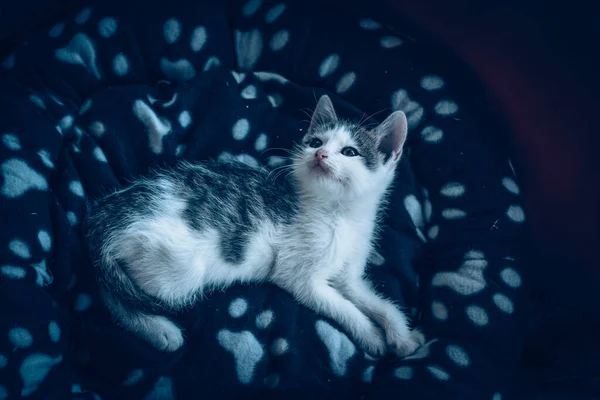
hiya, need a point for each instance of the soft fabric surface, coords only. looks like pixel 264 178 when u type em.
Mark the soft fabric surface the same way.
pixel 110 92
pixel 533 57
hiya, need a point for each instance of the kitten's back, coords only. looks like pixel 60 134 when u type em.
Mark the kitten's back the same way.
pixel 230 195
pixel 223 194
pixel 229 199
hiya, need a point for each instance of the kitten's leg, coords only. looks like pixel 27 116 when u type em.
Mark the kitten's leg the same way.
pixel 327 301
pixel 157 330
pixel 400 339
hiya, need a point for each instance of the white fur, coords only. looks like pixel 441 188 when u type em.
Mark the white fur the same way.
pixel 337 223
pixel 320 257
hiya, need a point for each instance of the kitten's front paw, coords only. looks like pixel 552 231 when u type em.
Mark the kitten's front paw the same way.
pixel 404 345
pixel 164 334
pixel 373 343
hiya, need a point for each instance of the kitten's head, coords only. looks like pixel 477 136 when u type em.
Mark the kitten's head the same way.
pixel 342 160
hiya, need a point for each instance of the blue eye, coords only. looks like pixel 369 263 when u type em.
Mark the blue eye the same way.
pixel 315 143
pixel 349 152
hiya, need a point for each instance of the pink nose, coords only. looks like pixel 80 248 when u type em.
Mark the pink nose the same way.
pixel 321 154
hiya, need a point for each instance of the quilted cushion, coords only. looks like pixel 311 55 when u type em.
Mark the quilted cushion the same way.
pixel 107 93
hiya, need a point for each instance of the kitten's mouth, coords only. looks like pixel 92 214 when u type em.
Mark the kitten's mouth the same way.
pixel 321 169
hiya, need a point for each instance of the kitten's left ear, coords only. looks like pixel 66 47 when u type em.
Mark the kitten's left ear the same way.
pixel 324 114
pixel 392 135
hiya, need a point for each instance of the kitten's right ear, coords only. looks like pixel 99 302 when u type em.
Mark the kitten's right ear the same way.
pixel 324 114
pixel 392 135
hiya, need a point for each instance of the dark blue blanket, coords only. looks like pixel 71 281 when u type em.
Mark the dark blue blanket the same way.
pixel 105 94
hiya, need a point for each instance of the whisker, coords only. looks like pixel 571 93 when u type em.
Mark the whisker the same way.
pixel 296 151
pixel 277 170
pixel 283 171
pixel 361 119
pixel 288 174
pixel 307 112
pixel 276 148
pixel 360 124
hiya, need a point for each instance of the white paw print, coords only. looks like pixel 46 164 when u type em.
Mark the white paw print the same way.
pixel 246 349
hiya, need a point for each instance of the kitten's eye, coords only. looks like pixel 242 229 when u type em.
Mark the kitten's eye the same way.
pixel 349 152
pixel 314 143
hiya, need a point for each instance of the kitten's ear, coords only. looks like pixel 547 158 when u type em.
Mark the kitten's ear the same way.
pixel 324 114
pixel 392 134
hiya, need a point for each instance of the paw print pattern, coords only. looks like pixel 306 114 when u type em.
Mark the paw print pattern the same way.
pixel 475 290
pixel 19 178
pixel 418 364
pixel 162 390
pixel 338 345
pixel 34 367
pixel 247 351
pixel 25 252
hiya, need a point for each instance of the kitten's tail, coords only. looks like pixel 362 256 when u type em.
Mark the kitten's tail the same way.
pixel 117 286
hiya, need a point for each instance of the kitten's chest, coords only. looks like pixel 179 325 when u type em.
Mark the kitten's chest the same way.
pixel 351 240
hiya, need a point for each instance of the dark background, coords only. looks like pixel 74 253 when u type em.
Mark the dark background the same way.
pixel 539 65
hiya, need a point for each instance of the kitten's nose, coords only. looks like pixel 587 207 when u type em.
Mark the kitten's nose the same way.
pixel 321 154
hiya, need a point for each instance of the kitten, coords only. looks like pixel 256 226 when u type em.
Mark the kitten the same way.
pixel 161 243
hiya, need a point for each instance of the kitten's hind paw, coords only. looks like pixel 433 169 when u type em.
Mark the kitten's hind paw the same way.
pixel 163 334
pixel 404 346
